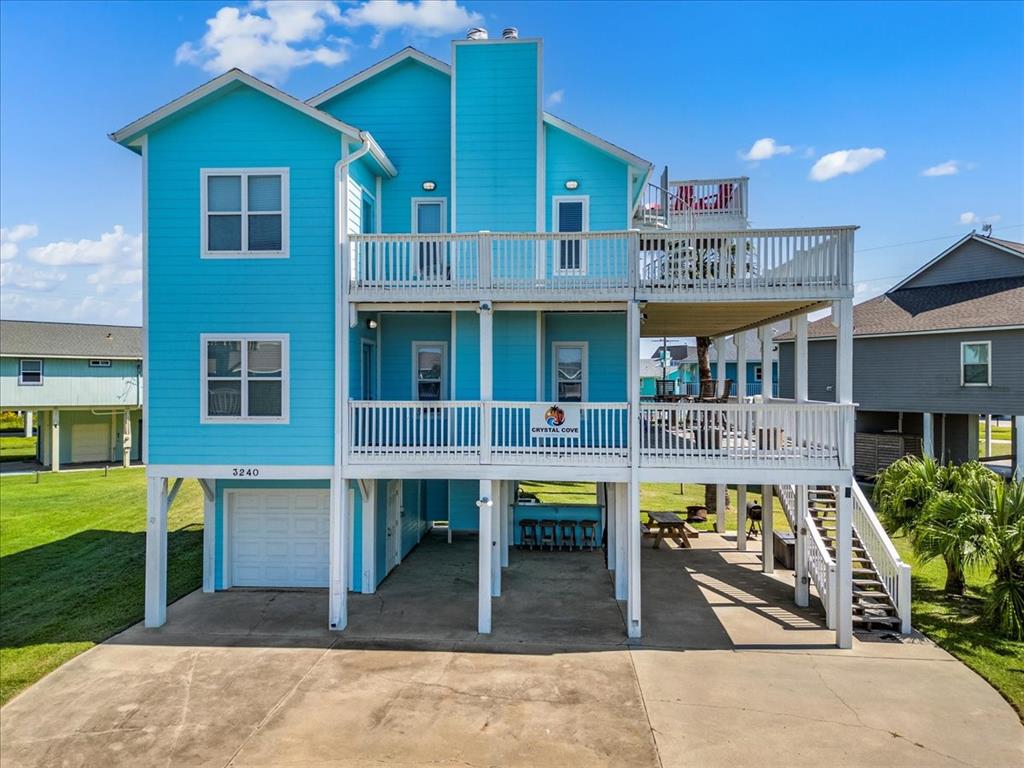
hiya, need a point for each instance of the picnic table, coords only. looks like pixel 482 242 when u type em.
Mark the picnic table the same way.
pixel 669 524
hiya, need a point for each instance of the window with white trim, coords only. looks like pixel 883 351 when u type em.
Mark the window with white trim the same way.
pixel 430 361
pixel 30 373
pixel 245 378
pixel 570 372
pixel 245 212
pixel 976 364
pixel 571 214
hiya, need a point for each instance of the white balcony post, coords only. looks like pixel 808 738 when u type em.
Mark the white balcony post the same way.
pixel 126 440
pixel 767 535
pixel 721 505
pixel 486 378
pixel 765 334
pixel 844 568
pixel 28 423
pixel 55 440
pixel 622 559
pixel 928 435
pixel 800 359
pixel 633 628
pixel 338 548
pixel 609 522
pixel 209 535
pixel 988 435
pixel 802 582
pixel 484 565
pixel 368 580
pixel 505 518
pixel 496 519
pixel 156 551
pixel 741 518
pixel 740 340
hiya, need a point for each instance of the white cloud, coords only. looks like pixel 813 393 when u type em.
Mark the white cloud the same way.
pixel 556 97
pixel 948 168
pixel 765 149
pixel 114 246
pixel 845 161
pixel 425 17
pixel 23 277
pixel 266 39
pixel 969 217
pixel 9 239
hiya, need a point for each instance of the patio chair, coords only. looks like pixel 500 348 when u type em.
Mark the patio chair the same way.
pixel 726 392
pixel 708 388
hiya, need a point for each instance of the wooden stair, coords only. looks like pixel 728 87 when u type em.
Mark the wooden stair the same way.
pixel 872 607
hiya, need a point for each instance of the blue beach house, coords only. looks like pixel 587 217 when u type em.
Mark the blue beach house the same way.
pixel 381 308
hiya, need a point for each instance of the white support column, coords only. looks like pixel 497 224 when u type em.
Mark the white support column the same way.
pixel 621 541
pixel 610 524
pixel 842 312
pixel 496 518
pixel 28 423
pixel 928 435
pixel 1017 442
pixel 988 434
pixel 484 557
pixel 741 518
pixel 209 535
pixel 800 359
pixel 765 334
pixel 126 440
pixel 972 437
pixel 721 505
pixel 740 340
pixel 368 579
pixel 767 530
pixel 844 568
pixel 156 551
pixel 486 378
pixel 633 628
pixel 55 440
pixel 505 521
pixel 338 547
pixel 801 595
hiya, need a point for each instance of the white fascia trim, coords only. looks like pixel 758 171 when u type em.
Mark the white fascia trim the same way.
pixel 953 247
pixel 361 77
pixel 243 471
pixel 97 356
pixel 977 329
pixel 598 142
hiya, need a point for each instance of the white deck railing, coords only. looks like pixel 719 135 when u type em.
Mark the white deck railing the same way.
pixel 892 571
pixel 821 567
pixel 601 265
pixel 805 261
pixel 603 437
pixel 707 198
pixel 414 432
pixel 783 434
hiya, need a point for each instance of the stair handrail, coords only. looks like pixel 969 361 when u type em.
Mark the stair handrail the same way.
pixel 893 572
pixel 821 566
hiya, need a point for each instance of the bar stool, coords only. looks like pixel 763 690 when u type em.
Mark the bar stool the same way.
pixel 547 533
pixel 588 529
pixel 567 533
pixel 527 533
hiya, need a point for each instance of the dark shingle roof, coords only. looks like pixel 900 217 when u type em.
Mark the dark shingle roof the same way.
pixel 23 338
pixel 1018 247
pixel 978 304
pixel 676 352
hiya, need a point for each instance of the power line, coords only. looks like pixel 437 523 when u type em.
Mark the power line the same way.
pixel 927 240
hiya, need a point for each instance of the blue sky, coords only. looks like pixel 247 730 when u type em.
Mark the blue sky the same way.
pixel 899 88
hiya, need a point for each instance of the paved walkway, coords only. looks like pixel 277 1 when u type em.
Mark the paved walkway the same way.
pixel 729 673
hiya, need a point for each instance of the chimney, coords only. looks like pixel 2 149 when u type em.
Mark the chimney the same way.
pixel 510 33
pixel 476 33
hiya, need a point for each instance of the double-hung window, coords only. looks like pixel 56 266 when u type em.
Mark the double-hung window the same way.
pixel 245 378
pixel 30 373
pixel 571 214
pixel 976 364
pixel 429 365
pixel 245 212
pixel 570 372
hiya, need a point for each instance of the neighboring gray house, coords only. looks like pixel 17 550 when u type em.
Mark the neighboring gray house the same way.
pixel 941 349
pixel 83 381
pixel 690 372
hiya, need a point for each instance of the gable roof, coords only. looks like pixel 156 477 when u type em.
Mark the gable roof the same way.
pixel 651 369
pixel 598 142
pixel 129 135
pixel 1016 249
pixel 676 352
pixel 934 309
pixel 29 338
pixel 405 54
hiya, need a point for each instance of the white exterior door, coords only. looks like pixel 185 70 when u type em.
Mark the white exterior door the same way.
pixel 90 442
pixel 394 526
pixel 278 538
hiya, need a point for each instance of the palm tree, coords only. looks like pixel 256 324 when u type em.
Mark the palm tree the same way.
pixel 704 372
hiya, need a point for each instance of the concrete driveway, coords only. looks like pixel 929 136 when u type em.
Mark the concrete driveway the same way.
pixel 728 674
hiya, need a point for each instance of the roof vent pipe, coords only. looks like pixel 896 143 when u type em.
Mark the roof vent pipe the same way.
pixel 477 33
pixel 510 33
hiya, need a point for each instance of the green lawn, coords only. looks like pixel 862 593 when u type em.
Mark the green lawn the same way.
pixel 998 433
pixel 956 625
pixel 17 448
pixel 72 564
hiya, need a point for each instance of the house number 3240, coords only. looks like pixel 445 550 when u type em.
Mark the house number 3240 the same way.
pixel 245 472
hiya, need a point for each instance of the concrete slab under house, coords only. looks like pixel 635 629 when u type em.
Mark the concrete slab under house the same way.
pixel 452 287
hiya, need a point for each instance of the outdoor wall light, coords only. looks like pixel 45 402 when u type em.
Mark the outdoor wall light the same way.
pixel 371 323
pixel 429 186
pixel 484 502
pixel 572 184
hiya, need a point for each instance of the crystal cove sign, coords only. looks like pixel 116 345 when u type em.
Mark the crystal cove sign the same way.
pixel 555 420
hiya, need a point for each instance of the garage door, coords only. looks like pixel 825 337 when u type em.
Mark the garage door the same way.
pixel 90 442
pixel 279 538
